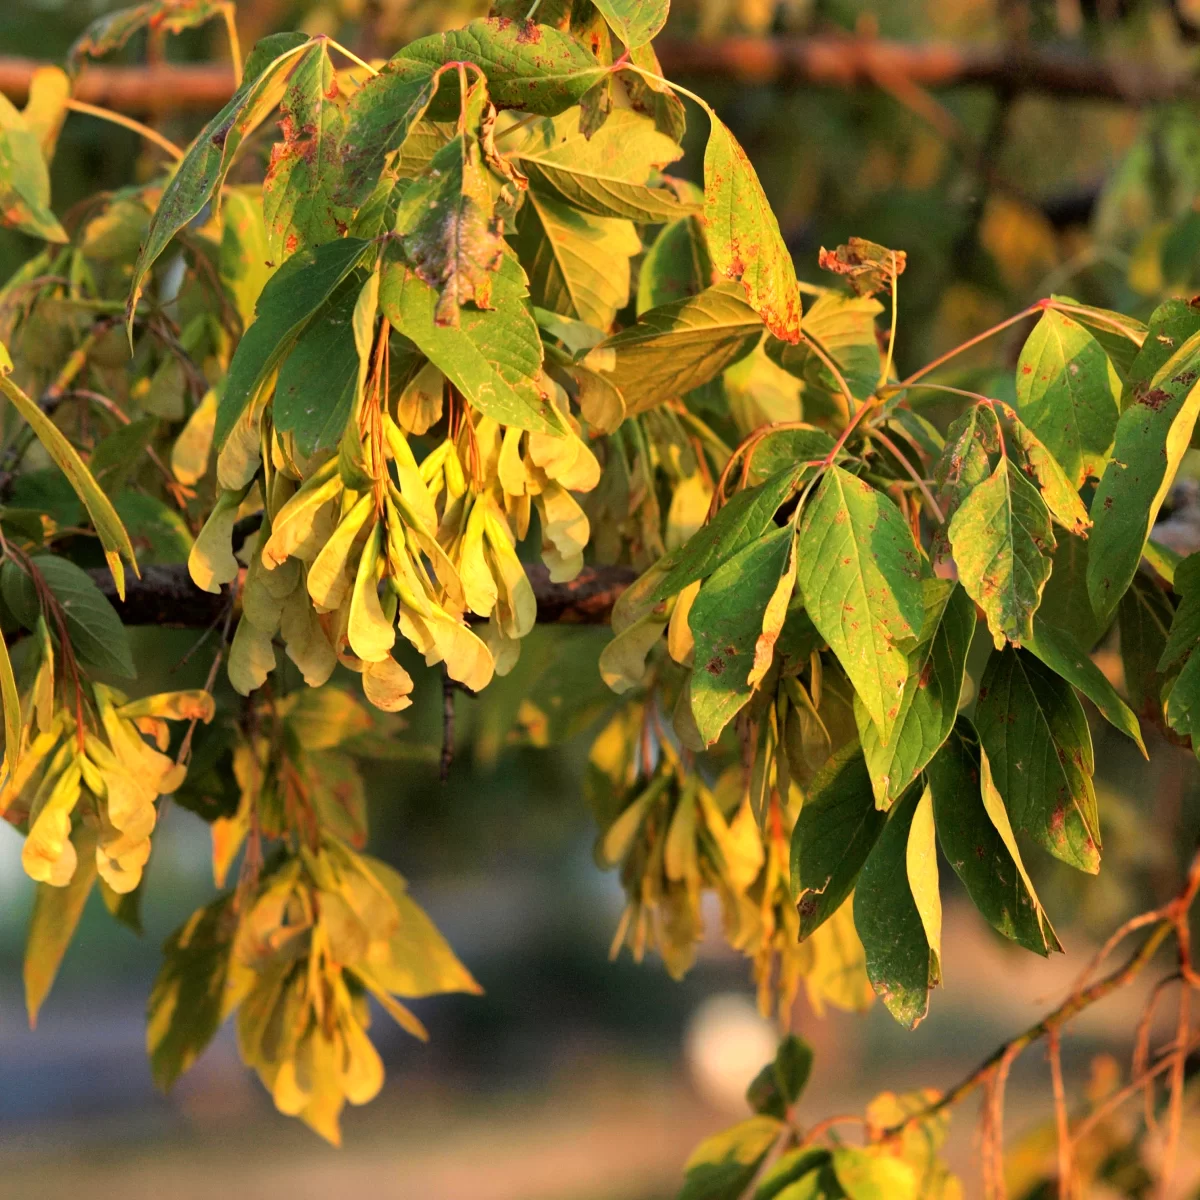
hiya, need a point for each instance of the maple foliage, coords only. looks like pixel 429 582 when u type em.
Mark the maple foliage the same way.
pixel 469 318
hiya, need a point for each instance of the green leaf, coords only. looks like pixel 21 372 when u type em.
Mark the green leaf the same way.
pixel 743 234
pixel 929 704
pixel 1120 335
pixel 860 575
pixel 635 22
pixel 901 965
pixel 1036 736
pixel 835 831
pixel 780 1083
pixel 844 327
pixel 1065 602
pixel 964 463
pixel 201 173
pixel 1002 541
pixel 298 193
pixel 1064 656
pixel 1069 394
pixel 723 1165
pixel 1152 437
pixel 796 1175
pixel 493 356
pixel 24 178
pixel 874 1174
pixel 743 519
pixel 1144 618
pixel 578 265
pixel 1171 324
pixel 318 380
pixel 187 1002
pixel 675 267
pixel 726 619
pixel 785 447
pixel 52 924
pixel 532 67
pixel 119 454
pixel 112 534
pixel 379 118
pixel 291 299
pixel 677 347
pixel 244 255
pixel 96 633
pixel 976 837
pixel 607 175
pixel 159 534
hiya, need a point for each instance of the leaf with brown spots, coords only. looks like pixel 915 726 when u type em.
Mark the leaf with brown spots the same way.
pixel 860 574
pixel 867 266
pixel 201 173
pixel 726 620
pixel 1152 437
pixel 635 22
pixel 983 857
pixel 1062 499
pixel 447 221
pixel 743 234
pixel 298 192
pixel 111 31
pixel 1002 541
pixel 1037 739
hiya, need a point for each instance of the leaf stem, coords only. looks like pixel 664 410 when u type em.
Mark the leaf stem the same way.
pixel 934 509
pixel 106 114
pixel 887 366
pixel 1036 307
pixel 235 45
pixel 832 367
pixel 366 66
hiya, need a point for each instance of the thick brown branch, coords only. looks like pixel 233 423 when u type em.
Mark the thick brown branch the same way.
pixel 807 61
pixel 166 596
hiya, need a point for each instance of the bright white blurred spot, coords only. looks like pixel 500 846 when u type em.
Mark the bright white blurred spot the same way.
pixel 725 1045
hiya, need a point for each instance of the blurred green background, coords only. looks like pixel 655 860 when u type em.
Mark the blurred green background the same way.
pixel 574 1078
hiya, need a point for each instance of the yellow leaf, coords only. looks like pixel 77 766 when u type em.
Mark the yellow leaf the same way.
pixel 211 562
pixel 370 633
pixel 387 685
pixel 251 658
pixel 420 404
pixel 329 578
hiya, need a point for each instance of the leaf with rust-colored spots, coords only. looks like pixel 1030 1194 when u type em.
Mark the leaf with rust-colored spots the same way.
pixel 901 964
pixel 833 835
pixel 578 265
pixel 449 229
pixel 726 620
pixel 1002 541
pixel 1036 736
pixel 986 861
pixel 1062 499
pixel 929 704
pixel 493 356
pixel 609 175
pixel 528 66
pixel 1171 324
pixel 962 466
pixel 867 266
pixel 860 575
pixel 744 517
pixel 677 347
pixel 1069 394
pixel 743 234
pixel 24 178
pixel 635 22
pixel 379 118
pixel 198 178
pixel 289 301
pixel 298 192
pixel 1152 437
pixel 111 31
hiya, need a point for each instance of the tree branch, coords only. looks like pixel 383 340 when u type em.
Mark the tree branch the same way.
pixel 838 62
pixel 166 596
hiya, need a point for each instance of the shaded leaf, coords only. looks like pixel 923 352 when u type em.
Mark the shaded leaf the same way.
pixel 834 833
pixel 723 1165
pixel 1144 617
pixel 1036 736
pixel 676 265
pixel 844 327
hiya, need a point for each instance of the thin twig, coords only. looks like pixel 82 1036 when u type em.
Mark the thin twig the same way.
pixel 106 114
pixel 934 509
pixel 235 46
pixel 1061 1119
